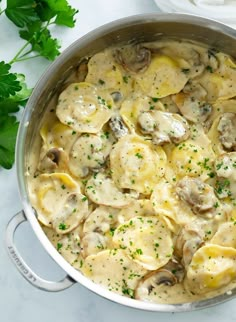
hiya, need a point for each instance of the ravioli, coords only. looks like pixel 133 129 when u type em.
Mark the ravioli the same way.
pixel 212 267
pixel 163 77
pixel 119 279
pixel 111 77
pixel 146 240
pixel 136 164
pixel 59 202
pixel 84 108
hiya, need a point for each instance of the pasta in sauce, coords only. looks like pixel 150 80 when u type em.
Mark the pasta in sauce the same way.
pixel 135 180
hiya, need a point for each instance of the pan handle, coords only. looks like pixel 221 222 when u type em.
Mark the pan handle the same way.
pixel 23 268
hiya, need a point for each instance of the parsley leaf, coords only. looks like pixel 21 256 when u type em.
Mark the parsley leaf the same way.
pixel 21 12
pixel 63 13
pixel 22 95
pixel 9 84
pixel 41 41
pixel 8 122
pixel 8 132
pixel 66 18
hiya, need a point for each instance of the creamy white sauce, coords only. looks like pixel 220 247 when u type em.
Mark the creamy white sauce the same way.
pixel 112 203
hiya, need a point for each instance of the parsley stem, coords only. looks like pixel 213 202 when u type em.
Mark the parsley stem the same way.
pixel 15 58
pixel 25 54
pixel 26 58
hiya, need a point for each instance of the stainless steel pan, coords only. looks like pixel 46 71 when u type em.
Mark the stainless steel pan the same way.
pixel 146 27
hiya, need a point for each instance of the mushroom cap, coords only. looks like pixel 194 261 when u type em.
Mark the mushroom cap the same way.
pixel 134 59
pixel 167 276
pixel 54 160
pixel 164 127
pixel 227 130
pixel 199 195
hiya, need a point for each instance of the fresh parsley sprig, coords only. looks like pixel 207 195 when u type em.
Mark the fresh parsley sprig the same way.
pixel 33 19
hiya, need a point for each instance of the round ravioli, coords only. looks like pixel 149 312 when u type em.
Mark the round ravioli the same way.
pixel 225 235
pixel 212 267
pixel 89 152
pixel 192 159
pixel 146 240
pixel 101 220
pixel 102 190
pixel 84 108
pixel 137 164
pixel 111 76
pixel 163 77
pixel 114 270
pixel 220 83
pixel 57 135
pixel 59 202
pixel 141 207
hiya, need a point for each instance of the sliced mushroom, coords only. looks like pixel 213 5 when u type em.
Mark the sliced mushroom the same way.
pixel 191 103
pixel 164 127
pixel 82 70
pixel 225 167
pixel 189 239
pixel 190 247
pixel 210 59
pixel 92 243
pixel 102 190
pixel 117 96
pixel 169 275
pixel 73 211
pixel 133 58
pixel 55 159
pixel 227 131
pixel 199 195
pixel 118 127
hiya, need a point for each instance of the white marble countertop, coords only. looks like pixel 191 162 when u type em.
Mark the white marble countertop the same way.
pixel 21 302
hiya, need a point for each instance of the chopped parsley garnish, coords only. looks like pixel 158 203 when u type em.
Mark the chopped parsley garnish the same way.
pixel 62 226
pixel 139 251
pixel 138 155
pixel 223 187
pixel 112 230
pixel 101 81
pixel 209 69
pixel 125 79
pixel 185 70
pixel 59 246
